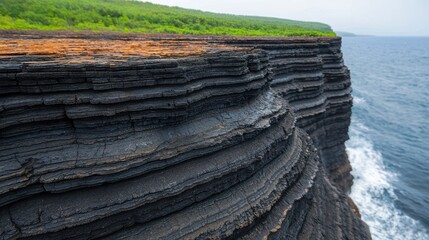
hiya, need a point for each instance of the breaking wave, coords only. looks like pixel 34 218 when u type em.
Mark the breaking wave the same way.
pixel 373 193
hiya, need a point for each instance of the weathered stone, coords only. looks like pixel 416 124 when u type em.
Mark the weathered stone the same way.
pixel 233 138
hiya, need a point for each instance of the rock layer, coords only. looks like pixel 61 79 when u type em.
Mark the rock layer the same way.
pixel 231 139
pixel 312 78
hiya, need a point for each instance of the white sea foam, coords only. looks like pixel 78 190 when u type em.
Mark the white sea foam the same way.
pixel 373 193
pixel 358 100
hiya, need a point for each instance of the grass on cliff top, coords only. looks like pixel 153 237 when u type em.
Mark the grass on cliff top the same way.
pixel 141 17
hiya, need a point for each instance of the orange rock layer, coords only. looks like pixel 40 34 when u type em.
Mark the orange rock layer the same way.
pixel 105 47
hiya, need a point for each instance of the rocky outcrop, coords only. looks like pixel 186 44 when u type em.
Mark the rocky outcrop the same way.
pixel 231 138
pixel 312 78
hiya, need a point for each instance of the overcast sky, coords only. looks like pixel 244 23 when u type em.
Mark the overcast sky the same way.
pixel 375 17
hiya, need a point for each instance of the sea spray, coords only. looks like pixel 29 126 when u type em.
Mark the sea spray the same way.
pixel 373 193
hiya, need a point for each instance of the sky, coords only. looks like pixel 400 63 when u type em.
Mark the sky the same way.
pixel 372 17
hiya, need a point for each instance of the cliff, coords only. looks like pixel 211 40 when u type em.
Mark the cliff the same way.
pixel 174 137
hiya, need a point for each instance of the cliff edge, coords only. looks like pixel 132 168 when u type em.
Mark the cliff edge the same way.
pixel 117 136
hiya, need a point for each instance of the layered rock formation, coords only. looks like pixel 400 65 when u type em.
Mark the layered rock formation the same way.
pixel 312 78
pixel 215 138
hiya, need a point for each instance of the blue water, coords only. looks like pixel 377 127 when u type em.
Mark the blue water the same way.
pixel 389 134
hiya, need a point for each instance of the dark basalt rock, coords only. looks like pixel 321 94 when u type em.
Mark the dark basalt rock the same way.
pixel 244 140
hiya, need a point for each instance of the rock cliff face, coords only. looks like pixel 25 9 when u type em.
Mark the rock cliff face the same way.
pixel 161 137
pixel 312 78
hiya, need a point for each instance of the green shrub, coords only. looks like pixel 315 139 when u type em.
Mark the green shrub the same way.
pixel 133 16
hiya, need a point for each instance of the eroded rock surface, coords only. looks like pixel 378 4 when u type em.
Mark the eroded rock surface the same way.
pixel 213 138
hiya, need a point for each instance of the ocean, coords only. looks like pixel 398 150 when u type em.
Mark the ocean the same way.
pixel 389 135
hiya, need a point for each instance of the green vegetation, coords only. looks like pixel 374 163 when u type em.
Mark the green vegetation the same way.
pixel 141 17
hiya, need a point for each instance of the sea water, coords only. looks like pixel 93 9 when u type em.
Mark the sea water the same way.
pixel 389 134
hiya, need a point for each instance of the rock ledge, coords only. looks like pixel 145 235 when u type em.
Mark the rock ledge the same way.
pixel 174 137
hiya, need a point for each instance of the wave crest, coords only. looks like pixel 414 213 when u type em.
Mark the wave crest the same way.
pixel 373 193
